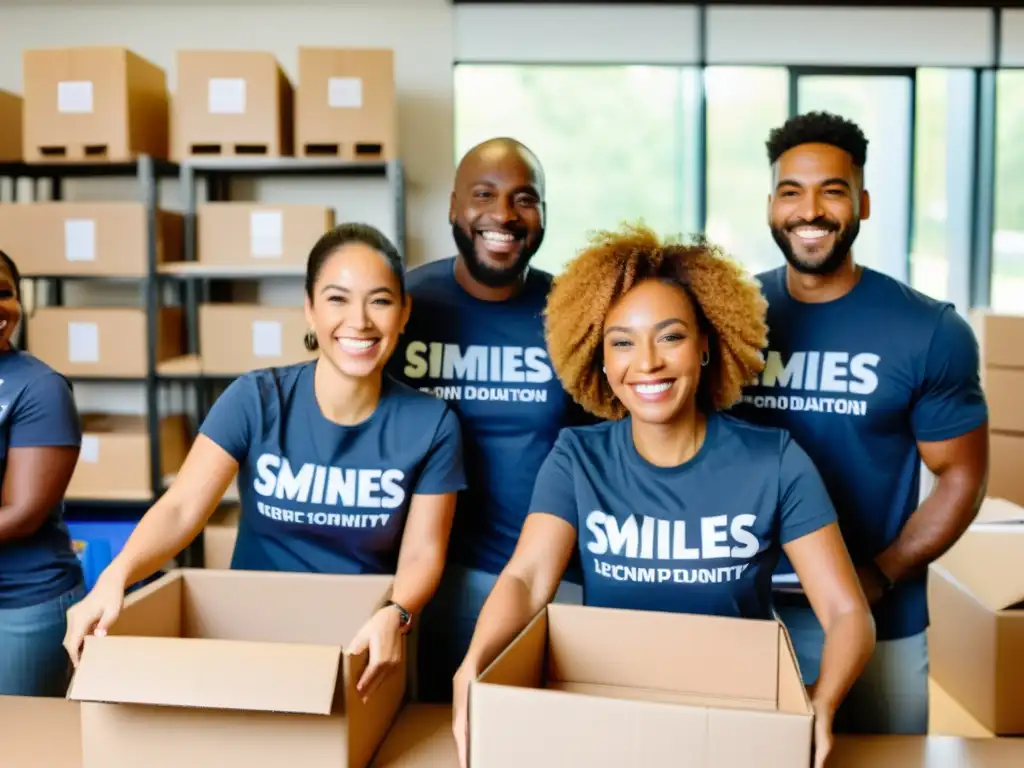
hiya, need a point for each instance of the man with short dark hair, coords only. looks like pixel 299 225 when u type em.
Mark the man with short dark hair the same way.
pixel 870 377
pixel 476 339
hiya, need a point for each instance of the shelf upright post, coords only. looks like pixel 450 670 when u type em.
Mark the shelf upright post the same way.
pixel 396 180
pixel 147 178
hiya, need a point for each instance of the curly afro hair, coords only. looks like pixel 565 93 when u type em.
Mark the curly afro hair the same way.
pixel 818 128
pixel 728 303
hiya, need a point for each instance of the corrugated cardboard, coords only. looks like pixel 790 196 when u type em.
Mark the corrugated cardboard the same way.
pixel 232 103
pixel 345 104
pixel 590 686
pixel 1005 464
pixel 1002 391
pixel 74 239
pixel 235 338
pixel 10 127
pixel 259 235
pixel 107 342
pixel 976 601
pixel 999 338
pixel 421 738
pixel 39 733
pixel 93 104
pixel 219 537
pixel 209 669
pixel 925 752
pixel 114 459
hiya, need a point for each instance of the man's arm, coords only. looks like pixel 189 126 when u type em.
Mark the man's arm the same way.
pixel 960 466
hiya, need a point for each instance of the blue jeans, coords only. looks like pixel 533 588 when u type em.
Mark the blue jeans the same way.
pixel 33 661
pixel 447 623
pixel 891 695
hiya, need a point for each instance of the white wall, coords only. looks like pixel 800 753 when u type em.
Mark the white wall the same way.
pixel 419 32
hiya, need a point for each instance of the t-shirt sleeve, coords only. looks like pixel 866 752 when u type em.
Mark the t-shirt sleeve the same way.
pixel 443 470
pixel 45 415
pixel 804 502
pixel 554 491
pixel 950 401
pixel 233 416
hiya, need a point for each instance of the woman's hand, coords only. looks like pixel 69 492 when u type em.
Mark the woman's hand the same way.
pixel 823 716
pixel 382 634
pixel 93 614
pixel 460 712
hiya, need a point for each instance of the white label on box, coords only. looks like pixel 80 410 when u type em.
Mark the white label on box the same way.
pixel 266 234
pixel 226 96
pixel 266 338
pixel 80 240
pixel 74 97
pixel 90 449
pixel 83 343
pixel 345 93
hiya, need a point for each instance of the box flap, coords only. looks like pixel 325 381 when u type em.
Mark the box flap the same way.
pixel 995 510
pixel 217 674
pixel 986 561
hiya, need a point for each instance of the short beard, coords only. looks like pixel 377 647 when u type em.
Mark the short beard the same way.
pixel 485 275
pixel 832 262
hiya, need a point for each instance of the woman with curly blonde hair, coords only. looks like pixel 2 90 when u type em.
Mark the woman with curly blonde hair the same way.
pixel 660 338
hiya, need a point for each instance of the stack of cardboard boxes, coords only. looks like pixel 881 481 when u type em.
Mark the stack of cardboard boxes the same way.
pixel 110 105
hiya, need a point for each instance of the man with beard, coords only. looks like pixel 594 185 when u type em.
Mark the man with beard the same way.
pixel 870 377
pixel 476 339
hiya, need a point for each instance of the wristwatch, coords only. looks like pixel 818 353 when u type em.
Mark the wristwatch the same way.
pixel 404 617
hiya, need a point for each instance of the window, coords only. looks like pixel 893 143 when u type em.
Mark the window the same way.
pixel 743 105
pixel 617 142
pixel 1007 293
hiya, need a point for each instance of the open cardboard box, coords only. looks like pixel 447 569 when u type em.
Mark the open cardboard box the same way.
pixel 596 686
pixel 976 602
pixel 39 732
pixel 209 669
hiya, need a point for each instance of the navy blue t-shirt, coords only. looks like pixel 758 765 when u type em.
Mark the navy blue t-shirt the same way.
pixel 703 537
pixel 37 409
pixel 489 361
pixel 321 497
pixel 857 382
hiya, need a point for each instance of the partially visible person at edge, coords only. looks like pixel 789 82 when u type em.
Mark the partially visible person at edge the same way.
pixel 659 338
pixel 476 339
pixel 40 576
pixel 870 377
pixel 366 469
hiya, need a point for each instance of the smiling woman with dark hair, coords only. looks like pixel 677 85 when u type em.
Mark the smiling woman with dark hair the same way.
pixel 660 338
pixel 40 577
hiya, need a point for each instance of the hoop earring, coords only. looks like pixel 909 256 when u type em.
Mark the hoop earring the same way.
pixel 705 358
pixel 309 341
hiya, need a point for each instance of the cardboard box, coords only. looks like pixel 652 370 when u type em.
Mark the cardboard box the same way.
pixel 232 103
pixel 1005 462
pixel 592 686
pixel 73 239
pixel 258 235
pixel 191 674
pixel 114 460
pixel 976 601
pixel 10 127
pixel 93 104
pixel 1002 392
pixel 345 104
pixel 235 338
pixel 420 738
pixel 219 537
pixel 37 732
pixel 925 752
pixel 108 342
pixel 1000 338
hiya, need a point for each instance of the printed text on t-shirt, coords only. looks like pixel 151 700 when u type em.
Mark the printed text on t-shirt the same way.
pixel 468 373
pixel 814 373
pixel 646 538
pixel 330 487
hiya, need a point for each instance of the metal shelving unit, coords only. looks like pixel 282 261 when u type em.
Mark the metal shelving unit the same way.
pixel 148 172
